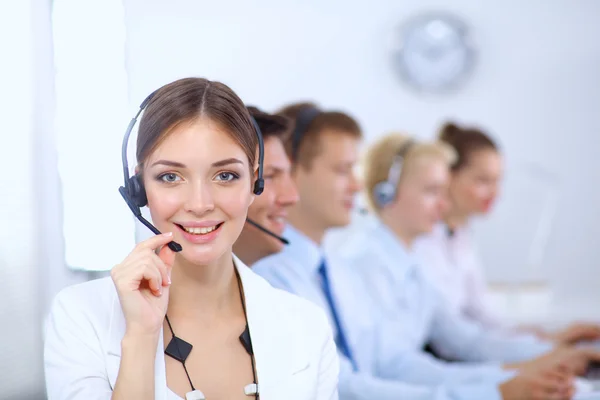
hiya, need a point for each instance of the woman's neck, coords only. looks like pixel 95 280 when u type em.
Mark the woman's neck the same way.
pixel 306 224
pixel 203 290
pixel 456 220
pixel 248 251
pixel 407 239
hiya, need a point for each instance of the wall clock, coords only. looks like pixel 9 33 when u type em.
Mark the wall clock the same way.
pixel 435 52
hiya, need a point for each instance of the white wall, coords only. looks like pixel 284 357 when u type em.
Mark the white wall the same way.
pixel 536 88
pixel 20 340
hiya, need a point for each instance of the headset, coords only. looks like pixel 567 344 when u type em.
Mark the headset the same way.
pixel 385 192
pixel 268 232
pixel 305 117
pixel 133 191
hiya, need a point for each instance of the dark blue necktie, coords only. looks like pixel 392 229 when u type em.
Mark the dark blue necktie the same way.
pixel 341 340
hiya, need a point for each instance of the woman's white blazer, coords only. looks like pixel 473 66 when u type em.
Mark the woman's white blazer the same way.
pixel 295 354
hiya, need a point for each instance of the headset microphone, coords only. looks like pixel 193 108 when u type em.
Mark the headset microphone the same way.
pixel 268 232
pixel 176 247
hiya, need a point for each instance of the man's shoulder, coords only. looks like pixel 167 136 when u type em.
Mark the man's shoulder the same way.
pixel 274 262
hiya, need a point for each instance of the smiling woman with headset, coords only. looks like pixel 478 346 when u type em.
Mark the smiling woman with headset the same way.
pixel 181 316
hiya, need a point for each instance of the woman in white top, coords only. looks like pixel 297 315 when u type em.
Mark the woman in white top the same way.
pixel 449 251
pixel 181 316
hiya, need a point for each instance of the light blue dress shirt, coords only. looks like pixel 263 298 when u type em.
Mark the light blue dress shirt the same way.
pixel 399 289
pixel 388 366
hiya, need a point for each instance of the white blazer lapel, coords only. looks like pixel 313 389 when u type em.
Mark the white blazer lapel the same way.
pixel 113 353
pixel 276 360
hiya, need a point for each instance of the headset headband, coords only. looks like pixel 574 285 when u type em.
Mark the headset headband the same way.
pixel 384 192
pixel 305 117
pixel 396 167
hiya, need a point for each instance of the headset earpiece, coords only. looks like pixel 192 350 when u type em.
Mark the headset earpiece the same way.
pixel 134 194
pixel 384 193
pixel 259 186
pixel 136 191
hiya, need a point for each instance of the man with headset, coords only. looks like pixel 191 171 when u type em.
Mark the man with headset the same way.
pixel 324 148
pixel 267 215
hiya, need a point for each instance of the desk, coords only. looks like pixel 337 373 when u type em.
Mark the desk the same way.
pixel 537 305
pixel 588 396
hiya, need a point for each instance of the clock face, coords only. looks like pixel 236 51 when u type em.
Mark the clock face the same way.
pixel 435 54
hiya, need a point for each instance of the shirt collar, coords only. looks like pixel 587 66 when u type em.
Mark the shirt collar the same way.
pixel 442 232
pixel 302 249
pixel 405 259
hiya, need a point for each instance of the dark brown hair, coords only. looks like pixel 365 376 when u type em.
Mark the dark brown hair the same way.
pixel 308 146
pixel 188 99
pixel 466 141
pixel 270 125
